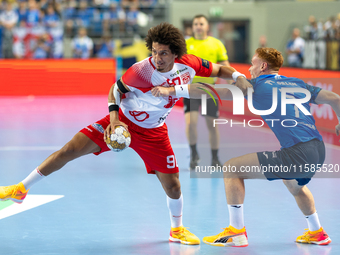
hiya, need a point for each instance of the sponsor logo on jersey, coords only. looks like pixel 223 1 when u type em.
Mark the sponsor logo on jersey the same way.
pixel 205 63
pixel 98 127
pixel 185 77
pixel 178 72
pixel 171 102
pixel 140 116
pixel 162 119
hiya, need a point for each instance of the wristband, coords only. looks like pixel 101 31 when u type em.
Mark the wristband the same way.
pixel 113 107
pixel 182 91
pixel 236 74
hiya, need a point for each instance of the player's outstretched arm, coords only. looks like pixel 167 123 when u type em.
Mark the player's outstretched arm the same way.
pixel 333 99
pixel 114 98
pixel 194 91
pixel 228 72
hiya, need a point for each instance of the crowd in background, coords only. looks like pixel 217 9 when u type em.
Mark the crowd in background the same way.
pixel 31 29
pixel 316 31
pixel 36 29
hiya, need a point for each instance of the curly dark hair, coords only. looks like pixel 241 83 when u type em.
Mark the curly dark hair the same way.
pixel 167 34
pixel 272 56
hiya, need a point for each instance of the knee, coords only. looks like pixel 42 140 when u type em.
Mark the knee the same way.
pixel 230 169
pixel 191 125
pixel 293 187
pixel 69 150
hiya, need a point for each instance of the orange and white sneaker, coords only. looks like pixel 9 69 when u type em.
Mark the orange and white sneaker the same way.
pixel 314 237
pixel 230 237
pixel 183 236
pixel 16 193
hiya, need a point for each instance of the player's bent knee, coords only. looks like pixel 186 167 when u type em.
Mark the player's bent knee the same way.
pixel 293 187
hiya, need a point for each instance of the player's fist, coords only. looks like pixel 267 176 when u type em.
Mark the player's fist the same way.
pixel 243 84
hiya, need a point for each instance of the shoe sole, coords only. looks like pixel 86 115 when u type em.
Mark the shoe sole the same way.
pixel 226 244
pixel 175 240
pixel 237 241
pixel 13 199
pixel 323 242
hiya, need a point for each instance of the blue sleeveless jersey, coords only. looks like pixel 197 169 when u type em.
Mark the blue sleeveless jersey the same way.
pixel 305 130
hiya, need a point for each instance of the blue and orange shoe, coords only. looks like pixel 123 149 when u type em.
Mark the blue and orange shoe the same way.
pixel 183 236
pixel 230 237
pixel 319 237
pixel 16 193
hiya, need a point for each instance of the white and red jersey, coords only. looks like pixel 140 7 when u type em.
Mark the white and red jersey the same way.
pixel 140 106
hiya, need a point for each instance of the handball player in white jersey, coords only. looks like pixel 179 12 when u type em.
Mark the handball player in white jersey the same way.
pixel 133 105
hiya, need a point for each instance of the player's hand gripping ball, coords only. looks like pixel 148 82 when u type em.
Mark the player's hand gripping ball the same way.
pixel 120 140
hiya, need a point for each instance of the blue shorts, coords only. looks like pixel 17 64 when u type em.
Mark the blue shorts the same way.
pixel 289 163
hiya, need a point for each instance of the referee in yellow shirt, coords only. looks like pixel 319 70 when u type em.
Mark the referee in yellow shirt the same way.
pixel 211 49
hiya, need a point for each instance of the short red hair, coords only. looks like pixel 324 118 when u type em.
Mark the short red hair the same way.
pixel 271 56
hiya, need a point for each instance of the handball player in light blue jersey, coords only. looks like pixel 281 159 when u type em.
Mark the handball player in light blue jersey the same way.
pixel 284 104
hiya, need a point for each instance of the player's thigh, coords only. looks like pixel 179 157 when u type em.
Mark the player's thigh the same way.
pixel 80 145
pixel 245 167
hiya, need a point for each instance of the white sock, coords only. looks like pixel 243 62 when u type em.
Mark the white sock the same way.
pixel 236 216
pixel 175 209
pixel 32 178
pixel 313 222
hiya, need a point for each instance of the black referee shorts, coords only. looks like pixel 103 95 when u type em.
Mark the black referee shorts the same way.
pixel 191 105
pixel 298 162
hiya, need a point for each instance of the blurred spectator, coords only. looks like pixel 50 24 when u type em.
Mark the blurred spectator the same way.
pixel 263 41
pixel 33 14
pixel 105 3
pixel 330 28
pixel 147 4
pixel 51 19
pixel 128 3
pixel 57 47
pixel 294 49
pixel 132 20
pixel 114 20
pixel 20 36
pixel 314 30
pixel 8 19
pixel 105 47
pixel 22 10
pixel 84 15
pixel 82 45
pixel 43 47
pixel 43 4
pixel 68 14
pixel 337 27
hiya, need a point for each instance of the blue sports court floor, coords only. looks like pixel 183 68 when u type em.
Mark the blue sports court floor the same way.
pixel 107 204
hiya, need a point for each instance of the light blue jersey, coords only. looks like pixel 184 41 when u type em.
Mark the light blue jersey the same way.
pixel 305 129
